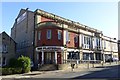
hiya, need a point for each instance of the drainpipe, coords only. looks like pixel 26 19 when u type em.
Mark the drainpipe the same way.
pixel 34 39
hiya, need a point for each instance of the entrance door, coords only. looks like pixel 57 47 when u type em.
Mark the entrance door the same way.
pixel 40 58
pixel 58 58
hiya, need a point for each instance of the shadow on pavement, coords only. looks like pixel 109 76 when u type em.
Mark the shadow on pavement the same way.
pixel 110 72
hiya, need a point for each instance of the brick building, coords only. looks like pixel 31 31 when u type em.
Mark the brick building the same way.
pixel 50 39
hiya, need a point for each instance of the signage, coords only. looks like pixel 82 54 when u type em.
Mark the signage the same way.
pixel 48 49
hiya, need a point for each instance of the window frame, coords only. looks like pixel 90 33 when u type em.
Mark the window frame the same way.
pixel 59 35
pixel 49 34
pixel 39 35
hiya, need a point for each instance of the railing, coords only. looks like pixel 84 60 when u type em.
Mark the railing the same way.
pixel 81 61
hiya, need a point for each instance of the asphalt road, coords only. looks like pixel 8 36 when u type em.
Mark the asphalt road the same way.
pixel 111 72
pixel 108 72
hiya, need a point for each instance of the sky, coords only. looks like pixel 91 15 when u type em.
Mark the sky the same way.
pixel 99 15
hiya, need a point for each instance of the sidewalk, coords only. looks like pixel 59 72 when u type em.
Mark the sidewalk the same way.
pixel 34 73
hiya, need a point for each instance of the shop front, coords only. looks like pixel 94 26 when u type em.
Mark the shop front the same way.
pixel 49 54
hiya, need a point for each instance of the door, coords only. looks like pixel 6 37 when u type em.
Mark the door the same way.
pixel 58 58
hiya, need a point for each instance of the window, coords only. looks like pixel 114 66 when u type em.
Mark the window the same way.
pixel 48 34
pixel 98 42
pixel 59 35
pixel 73 55
pixel 0 48
pixel 4 48
pixel 67 36
pixel 87 42
pixel 88 56
pixel 104 44
pixel 76 39
pixel 4 61
pixel 22 17
pixel 39 35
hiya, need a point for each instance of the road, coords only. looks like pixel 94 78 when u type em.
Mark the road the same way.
pixel 109 72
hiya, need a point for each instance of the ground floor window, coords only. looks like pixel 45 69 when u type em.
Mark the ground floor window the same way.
pixel 88 56
pixel 107 56
pixel 98 56
pixel 73 55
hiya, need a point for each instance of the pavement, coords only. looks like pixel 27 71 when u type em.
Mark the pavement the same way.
pixel 58 73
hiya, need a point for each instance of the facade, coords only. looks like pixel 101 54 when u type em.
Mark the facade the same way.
pixel 7 48
pixel 56 40
pixel 119 49
pixel 22 33
pixel 110 48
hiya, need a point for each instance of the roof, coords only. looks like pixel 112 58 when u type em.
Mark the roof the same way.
pixel 41 12
pixel 6 35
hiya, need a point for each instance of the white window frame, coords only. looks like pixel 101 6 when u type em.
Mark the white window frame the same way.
pixel 49 34
pixel 59 35
pixel 39 35
pixel 67 37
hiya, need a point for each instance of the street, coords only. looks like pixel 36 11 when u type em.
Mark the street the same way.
pixel 108 71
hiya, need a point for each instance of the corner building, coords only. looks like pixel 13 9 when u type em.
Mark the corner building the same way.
pixel 58 40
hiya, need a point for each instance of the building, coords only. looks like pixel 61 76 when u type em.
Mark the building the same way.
pixel 119 49
pixel 50 39
pixel 110 48
pixel 23 32
pixel 7 48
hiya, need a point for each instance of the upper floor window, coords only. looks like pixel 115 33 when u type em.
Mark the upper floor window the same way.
pixel 76 39
pixel 48 34
pixel 67 36
pixel 39 35
pixel 87 42
pixel 104 44
pixel 98 42
pixel 4 48
pixel 22 17
pixel 59 35
pixel 0 48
